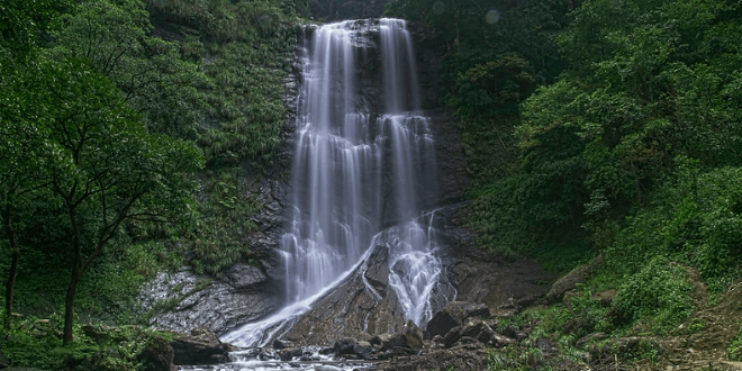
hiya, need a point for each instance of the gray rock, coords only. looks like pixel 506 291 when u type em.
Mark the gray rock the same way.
pixel 241 275
pixel 454 314
pixel 382 340
pixel 219 306
pixel 377 273
pixel 413 336
pixel 291 353
pixel 158 355
pixel 546 346
pixel 200 348
pixel 452 337
pixel 499 341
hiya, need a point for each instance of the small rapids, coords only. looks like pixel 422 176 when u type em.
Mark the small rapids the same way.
pixel 270 360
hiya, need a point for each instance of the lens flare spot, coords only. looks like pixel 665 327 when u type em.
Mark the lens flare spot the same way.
pixel 438 7
pixel 493 16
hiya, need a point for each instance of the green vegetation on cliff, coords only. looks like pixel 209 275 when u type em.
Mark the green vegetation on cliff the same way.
pixel 608 127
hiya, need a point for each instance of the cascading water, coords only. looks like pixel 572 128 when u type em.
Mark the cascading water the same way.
pixel 359 167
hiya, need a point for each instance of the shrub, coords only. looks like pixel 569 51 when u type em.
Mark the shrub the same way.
pixel 659 293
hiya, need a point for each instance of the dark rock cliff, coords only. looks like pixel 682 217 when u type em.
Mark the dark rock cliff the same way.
pixel 335 10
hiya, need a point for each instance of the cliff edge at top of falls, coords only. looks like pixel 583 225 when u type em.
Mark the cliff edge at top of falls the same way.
pixel 249 292
pixel 334 10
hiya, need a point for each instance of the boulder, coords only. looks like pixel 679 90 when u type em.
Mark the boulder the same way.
pixel 499 341
pixel 350 347
pixel 466 356
pixel 202 347
pixel 452 337
pixel 343 347
pixel 381 340
pixel 241 275
pixel 289 354
pixel 378 274
pixel 413 336
pixel 280 344
pixel 546 346
pixel 510 331
pixel 571 279
pixel 363 349
pixel 477 330
pixel 158 355
pixel 453 315
pixel 482 332
pixel 410 339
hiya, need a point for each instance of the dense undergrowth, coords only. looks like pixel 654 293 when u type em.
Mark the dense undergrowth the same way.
pixel 36 342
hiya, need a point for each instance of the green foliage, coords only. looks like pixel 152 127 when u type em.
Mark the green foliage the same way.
pixel 603 125
pixel 24 22
pixel 659 293
pixel 695 220
pixel 221 236
pixel 514 358
pixel 34 342
pixel 244 50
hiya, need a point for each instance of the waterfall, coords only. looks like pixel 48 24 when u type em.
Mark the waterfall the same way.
pixel 360 168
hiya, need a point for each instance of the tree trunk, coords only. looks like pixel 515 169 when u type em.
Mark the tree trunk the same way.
pixel 74 279
pixel 13 270
pixel 69 305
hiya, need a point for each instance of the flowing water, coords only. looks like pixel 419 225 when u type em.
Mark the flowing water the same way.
pixel 359 169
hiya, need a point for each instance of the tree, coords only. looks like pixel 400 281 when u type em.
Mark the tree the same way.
pixel 23 22
pixel 103 166
pixel 153 78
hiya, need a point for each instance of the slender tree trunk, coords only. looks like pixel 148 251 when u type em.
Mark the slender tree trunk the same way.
pixel 69 305
pixel 74 279
pixel 13 270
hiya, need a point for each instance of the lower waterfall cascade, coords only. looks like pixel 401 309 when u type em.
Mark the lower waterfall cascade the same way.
pixel 359 172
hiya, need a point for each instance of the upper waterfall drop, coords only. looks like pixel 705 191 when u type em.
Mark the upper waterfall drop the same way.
pixel 360 167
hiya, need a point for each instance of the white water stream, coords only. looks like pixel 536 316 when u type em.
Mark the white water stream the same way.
pixel 356 170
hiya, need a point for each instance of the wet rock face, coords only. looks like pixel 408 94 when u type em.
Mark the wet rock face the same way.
pixel 352 310
pixel 220 306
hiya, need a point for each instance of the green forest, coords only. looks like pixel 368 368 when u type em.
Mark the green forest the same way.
pixel 602 131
